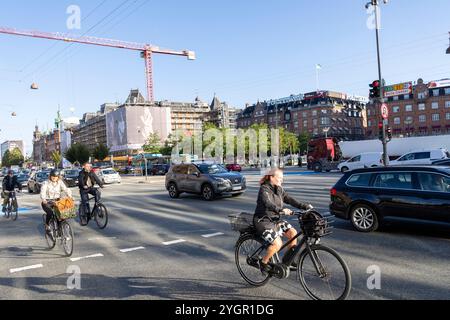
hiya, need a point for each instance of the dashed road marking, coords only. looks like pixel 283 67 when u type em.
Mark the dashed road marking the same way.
pixel 98 255
pixel 131 249
pixel 36 266
pixel 102 238
pixel 173 242
pixel 213 235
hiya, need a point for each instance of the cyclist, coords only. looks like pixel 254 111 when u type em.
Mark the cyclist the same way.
pixel 51 191
pixel 9 184
pixel 267 218
pixel 86 182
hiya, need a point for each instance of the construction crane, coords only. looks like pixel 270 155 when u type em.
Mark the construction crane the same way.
pixel 146 50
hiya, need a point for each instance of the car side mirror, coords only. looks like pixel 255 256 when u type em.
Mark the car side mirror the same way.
pixel 197 174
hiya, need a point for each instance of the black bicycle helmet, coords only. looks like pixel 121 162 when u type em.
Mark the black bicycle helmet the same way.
pixel 55 173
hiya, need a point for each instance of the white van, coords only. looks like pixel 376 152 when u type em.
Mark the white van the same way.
pixel 363 160
pixel 422 157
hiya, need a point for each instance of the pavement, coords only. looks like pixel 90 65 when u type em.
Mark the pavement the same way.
pixel 158 248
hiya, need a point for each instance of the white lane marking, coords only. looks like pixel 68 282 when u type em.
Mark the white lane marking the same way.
pixel 213 235
pixel 98 255
pixel 37 266
pixel 131 249
pixel 102 238
pixel 173 242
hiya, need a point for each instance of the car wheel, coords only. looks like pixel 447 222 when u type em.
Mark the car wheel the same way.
pixel 29 190
pixel 237 195
pixel 364 218
pixel 344 169
pixel 208 192
pixel 317 167
pixel 173 191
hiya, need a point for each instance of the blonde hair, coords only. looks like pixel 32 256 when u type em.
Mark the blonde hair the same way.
pixel 269 174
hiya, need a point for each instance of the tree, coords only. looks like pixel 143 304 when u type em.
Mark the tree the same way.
pixel 78 153
pixel 303 140
pixel 171 142
pixel 153 144
pixel 57 159
pixel 100 152
pixel 13 158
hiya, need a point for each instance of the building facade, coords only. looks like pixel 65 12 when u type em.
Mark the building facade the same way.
pixel 11 145
pixel 321 113
pixel 422 110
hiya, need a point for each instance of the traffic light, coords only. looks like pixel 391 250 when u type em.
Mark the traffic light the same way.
pixel 375 90
pixel 380 131
pixel 389 133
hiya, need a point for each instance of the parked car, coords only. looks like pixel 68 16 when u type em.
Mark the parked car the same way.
pixel 361 161
pixel 127 170
pixel 366 196
pixel 70 177
pixel 22 179
pixel 208 180
pixel 109 176
pixel 425 157
pixel 444 163
pixel 234 167
pixel 160 169
pixel 36 180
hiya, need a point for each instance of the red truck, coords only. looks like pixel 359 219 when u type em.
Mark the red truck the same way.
pixel 324 154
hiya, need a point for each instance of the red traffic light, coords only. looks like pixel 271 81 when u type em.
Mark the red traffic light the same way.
pixel 380 125
pixel 375 84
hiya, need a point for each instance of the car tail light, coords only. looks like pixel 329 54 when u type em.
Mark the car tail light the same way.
pixel 333 192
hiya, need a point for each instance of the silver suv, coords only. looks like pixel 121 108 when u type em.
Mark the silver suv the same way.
pixel 206 179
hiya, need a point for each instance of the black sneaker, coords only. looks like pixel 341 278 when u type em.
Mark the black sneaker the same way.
pixel 265 268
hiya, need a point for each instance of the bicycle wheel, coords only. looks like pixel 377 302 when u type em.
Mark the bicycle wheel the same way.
pixel 8 210
pixel 324 274
pixel 67 238
pixel 82 217
pixel 15 211
pixel 101 216
pixel 249 249
pixel 50 237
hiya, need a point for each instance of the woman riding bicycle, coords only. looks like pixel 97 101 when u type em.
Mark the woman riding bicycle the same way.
pixel 51 191
pixel 267 218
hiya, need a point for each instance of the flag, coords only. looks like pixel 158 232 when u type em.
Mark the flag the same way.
pixel 318 67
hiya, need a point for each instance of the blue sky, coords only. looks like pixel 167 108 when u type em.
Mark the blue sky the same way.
pixel 246 51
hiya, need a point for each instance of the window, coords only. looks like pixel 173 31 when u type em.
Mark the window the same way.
pixel 422 106
pixel 315 122
pixel 359 180
pixel 324 111
pixel 409 120
pixel 396 109
pixel 435 117
pixel 436 93
pixel 397 120
pixel 409 108
pixel 422 155
pixel 394 181
pixel 447 91
pixel 407 157
pixel 325 121
pixel 305 123
pixel 296 124
pixel 447 104
pixel 369 112
pixel 314 113
pixel 434 182
pixel 305 114
pixel 422 95
pixel 422 118
pixel 395 98
pixel 407 97
pixel 369 123
pixel 447 116
pixel 355 159
pixel 435 105
pixel 180 170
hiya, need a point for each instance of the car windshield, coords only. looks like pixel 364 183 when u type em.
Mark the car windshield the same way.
pixel 23 177
pixel 108 172
pixel 211 169
pixel 71 173
pixel 43 175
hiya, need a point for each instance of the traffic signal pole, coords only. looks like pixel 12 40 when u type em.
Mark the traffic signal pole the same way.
pixel 375 3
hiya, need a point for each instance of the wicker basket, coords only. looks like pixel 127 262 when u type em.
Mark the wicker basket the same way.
pixel 241 222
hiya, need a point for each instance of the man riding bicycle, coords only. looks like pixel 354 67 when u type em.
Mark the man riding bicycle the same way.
pixel 9 184
pixel 86 182
pixel 51 191
pixel 267 218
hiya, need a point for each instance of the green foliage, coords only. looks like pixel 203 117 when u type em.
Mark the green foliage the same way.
pixel 153 144
pixel 78 153
pixel 13 158
pixel 100 152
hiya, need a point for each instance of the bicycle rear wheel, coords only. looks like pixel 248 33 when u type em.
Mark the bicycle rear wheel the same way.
pixel 249 249
pixel 324 274
pixel 50 236
pixel 101 216
pixel 82 218
pixel 8 210
pixel 67 238
pixel 14 211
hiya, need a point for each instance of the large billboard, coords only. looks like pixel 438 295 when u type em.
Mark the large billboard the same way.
pixel 398 89
pixel 439 84
pixel 116 133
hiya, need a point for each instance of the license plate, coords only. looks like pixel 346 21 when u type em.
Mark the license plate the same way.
pixel 237 188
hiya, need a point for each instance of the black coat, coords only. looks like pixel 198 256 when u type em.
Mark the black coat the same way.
pixel 83 178
pixel 10 183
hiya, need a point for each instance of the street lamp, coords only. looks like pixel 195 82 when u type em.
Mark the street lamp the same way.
pixel 448 50
pixel 376 3
pixel 326 130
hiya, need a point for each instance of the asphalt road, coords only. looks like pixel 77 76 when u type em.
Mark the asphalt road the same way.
pixel 158 248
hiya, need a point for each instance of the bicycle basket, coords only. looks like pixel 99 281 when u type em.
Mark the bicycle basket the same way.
pixel 241 221
pixel 65 209
pixel 315 226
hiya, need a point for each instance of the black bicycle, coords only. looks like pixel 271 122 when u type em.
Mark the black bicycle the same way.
pixel 323 274
pixel 98 212
pixel 12 207
pixel 59 230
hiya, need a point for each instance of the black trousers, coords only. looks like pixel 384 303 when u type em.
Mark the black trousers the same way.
pixel 48 212
pixel 85 198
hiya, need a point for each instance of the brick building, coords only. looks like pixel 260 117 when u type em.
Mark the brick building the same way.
pixel 424 111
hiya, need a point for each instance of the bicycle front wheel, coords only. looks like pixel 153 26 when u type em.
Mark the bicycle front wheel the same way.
pixel 249 249
pixel 67 238
pixel 324 274
pixel 50 236
pixel 101 216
